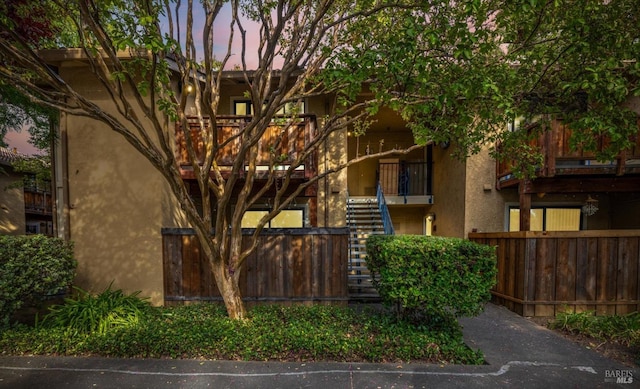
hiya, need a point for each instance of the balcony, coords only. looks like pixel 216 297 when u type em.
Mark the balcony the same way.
pixel 405 182
pixel 279 146
pixel 561 161
pixel 37 196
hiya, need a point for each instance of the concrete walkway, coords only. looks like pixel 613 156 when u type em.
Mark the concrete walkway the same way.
pixel 519 354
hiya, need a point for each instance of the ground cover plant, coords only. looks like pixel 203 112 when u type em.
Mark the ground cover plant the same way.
pixel 272 332
pixel 618 334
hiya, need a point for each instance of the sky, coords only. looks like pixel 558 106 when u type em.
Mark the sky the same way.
pixel 20 140
pixel 221 32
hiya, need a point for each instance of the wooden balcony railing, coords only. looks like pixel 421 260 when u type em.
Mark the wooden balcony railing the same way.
pixel 38 202
pixel 560 160
pixel 280 145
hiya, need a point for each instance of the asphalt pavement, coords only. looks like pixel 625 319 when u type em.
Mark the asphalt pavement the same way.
pixel 518 353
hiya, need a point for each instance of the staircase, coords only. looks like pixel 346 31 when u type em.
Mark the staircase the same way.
pixel 363 219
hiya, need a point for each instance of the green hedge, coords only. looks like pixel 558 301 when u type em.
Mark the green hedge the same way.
pixel 432 275
pixel 32 267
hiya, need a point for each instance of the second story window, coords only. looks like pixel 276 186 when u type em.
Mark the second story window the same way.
pixel 243 107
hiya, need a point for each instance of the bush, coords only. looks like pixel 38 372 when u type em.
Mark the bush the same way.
pixel 432 276
pixel 88 314
pixel 32 267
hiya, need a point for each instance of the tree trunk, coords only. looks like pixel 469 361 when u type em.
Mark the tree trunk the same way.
pixel 229 287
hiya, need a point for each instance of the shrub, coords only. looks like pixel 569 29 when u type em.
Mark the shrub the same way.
pixel 32 267
pixel 432 275
pixel 88 314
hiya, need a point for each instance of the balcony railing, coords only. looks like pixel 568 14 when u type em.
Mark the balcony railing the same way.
pixel 561 160
pixel 384 211
pixel 38 202
pixel 280 145
pixel 405 178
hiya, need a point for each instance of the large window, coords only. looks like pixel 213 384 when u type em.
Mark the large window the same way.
pixel 288 218
pixel 548 219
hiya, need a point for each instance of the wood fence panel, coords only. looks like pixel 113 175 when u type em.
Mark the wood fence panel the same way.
pixel 627 274
pixel 566 266
pixel 172 268
pixel 545 277
pixel 520 269
pixel 543 273
pixel 509 268
pixel 586 263
pixel 607 276
pixel 290 265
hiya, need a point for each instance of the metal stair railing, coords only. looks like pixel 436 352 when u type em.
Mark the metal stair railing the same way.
pixel 384 211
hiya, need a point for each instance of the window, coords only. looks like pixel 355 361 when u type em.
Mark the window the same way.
pixel 243 107
pixel 292 108
pixel 548 219
pixel 288 218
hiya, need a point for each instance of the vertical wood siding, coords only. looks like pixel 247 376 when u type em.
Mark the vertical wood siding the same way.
pixel 290 265
pixel 543 273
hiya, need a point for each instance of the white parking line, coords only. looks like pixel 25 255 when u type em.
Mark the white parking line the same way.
pixel 503 370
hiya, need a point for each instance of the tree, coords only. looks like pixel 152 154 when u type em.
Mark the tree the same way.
pixel 455 70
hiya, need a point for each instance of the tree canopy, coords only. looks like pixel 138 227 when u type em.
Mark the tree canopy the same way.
pixel 456 71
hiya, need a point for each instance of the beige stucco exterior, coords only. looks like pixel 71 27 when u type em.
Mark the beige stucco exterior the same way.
pixel 117 202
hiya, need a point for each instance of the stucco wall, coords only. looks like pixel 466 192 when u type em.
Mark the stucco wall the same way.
pixel 484 205
pixel 449 193
pixel 408 220
pixel 12 218
pixel 117 203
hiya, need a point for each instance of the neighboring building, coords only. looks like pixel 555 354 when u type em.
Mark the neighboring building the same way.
pixel 12 215
pixel 113 204
pixel 25 203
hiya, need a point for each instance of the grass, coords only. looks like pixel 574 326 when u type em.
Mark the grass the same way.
pixel 282 333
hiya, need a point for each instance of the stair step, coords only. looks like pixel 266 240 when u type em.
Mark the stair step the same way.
pixel 363 219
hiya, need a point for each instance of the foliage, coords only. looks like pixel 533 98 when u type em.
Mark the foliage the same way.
pixel 459 71
pixel 32 267
pixel 624 329
pixel 36 169
pixel 295 333
pixel 432 276
pixel 455 71
pixel 18 112
pixel 88 314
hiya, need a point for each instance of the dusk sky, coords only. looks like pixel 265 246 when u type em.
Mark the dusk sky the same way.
pixel 20 140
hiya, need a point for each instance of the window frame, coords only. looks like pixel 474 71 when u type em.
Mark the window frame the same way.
pixel 284 110
pixel 544 208
pixel 302 208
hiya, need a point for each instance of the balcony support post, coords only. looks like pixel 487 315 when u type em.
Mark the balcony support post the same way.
pixel 525 207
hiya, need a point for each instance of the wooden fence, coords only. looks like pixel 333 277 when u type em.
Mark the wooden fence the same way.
pixel 543 273
pixel 290 265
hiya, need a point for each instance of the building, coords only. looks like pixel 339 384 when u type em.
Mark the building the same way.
pixel 25 203
pixel 114 205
